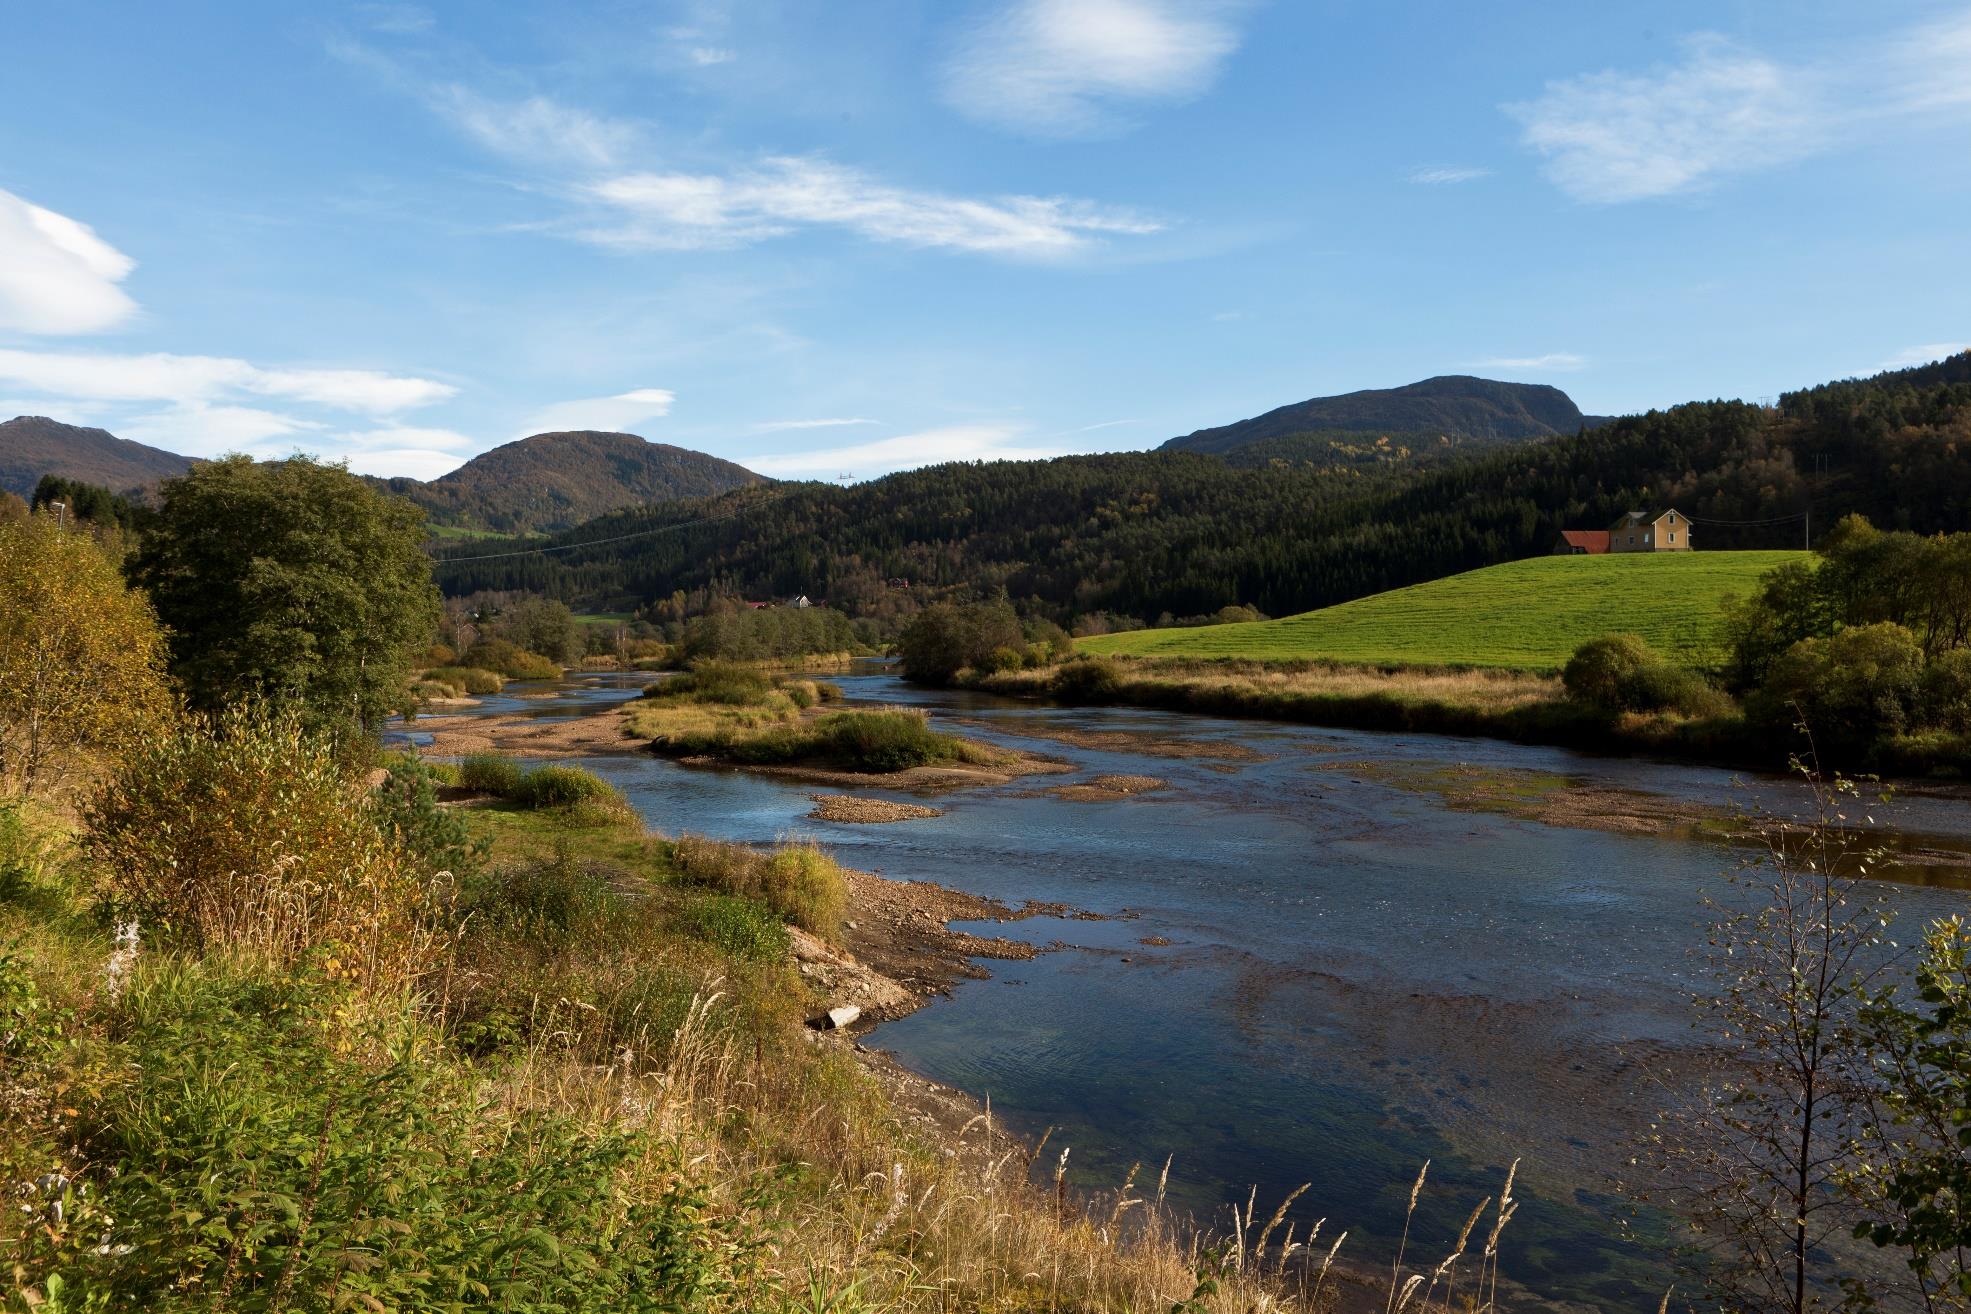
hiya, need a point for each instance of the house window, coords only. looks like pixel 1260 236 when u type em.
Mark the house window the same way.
pixel 1632 540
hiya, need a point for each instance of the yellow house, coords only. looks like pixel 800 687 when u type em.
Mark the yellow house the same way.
pixel 1637 531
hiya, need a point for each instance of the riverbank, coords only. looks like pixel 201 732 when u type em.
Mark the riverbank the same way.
pixel 1515 706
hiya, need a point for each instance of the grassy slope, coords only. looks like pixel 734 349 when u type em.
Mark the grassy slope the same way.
pixel 1526 615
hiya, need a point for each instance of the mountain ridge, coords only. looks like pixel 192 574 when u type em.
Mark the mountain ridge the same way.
pixel 34 445
pixel 1462 406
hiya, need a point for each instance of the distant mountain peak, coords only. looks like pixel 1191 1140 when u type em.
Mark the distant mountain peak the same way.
pixel 1458 405
pixel 557 480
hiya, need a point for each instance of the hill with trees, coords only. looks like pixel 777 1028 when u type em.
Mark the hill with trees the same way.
pixel 1455 405
pixel 34 446
pixel 559 480
pixel 1142 534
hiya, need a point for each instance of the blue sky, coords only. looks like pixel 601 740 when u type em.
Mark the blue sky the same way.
pixel 840 237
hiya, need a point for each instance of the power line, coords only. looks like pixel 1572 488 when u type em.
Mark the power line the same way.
pixel 1776 520
pixel 619 538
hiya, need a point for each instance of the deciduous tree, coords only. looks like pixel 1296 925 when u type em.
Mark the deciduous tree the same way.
pixel 81 657
pixel 290 580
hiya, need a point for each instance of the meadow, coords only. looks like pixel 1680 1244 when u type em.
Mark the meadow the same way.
pixel 1524 615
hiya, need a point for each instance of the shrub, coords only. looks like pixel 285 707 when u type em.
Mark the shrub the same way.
pixel 545 902
pixel 491 773
pixel 1946 699
pixel 471 679
pixel 1861 685
pixel 560 787
pixel 716 682
pixel 249 1156
pixel 435 840
pixel 803 692
pixel 797 881
pixel 239 830
pixel 1089 679
pixel 510 660
pixel 746 930
pixel 1621 673
pixel 1004 659
pixel 1600 670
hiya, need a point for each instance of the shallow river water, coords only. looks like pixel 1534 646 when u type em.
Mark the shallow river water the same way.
pixel 1358 976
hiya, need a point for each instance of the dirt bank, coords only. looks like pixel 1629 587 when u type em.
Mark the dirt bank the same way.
pixel 523 735
pixel 916 780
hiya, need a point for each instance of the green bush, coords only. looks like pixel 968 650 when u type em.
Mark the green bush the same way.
pixel 510 660
pixel 491 773
pixel 1946 701
pixel 242 829
pixel 249 1160
pixel 1851 690
pixel 944 639
pixel 716 682
pixel 560 787
pixel 436 840
pixel 546 902
pixel 1621 673
pixel 740 927
pixel 471 679
pixel 1087 680
pixel 797 881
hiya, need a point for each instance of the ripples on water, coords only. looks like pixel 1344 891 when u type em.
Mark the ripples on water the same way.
pixel 1358 977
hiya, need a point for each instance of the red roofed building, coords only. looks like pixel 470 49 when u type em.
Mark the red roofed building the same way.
pixel 1581 543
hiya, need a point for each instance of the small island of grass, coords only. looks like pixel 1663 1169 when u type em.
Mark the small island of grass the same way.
pixel 739 716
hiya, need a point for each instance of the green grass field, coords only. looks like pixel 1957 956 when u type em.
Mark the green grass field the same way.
pixel 1527 615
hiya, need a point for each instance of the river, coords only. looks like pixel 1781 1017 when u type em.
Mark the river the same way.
pixel 1346 976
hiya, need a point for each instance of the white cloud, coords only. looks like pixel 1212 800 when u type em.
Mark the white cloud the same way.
pixel 1924 355
pixel 538 129
pixel 706 56
pixel 406 452
pixel 196 428
pixel 776 426
pixel 1722 110
pixel 1552 362
pixel 610 414
pixel 159 376
pixel 1060 68
pixel 56 275
pixel 964 442
pixel 697 211
pixel 1447 176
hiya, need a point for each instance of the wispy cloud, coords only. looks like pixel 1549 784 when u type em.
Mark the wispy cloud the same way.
pixel 706 56
pixel 538 129
pixel 1551 362
pixel 610 414
pixel 1447 176
pixel 159 376
pixel 777 426
pixel 682 211
pixel 963 442
pixel 1065 68
pixel 1923 355
pixel 395 19
pixel 1722 109
pixel 56 275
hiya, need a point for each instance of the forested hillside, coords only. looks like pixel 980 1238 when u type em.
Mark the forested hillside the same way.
pixel 1146 533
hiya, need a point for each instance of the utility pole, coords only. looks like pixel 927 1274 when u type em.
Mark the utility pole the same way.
pixel 61 514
